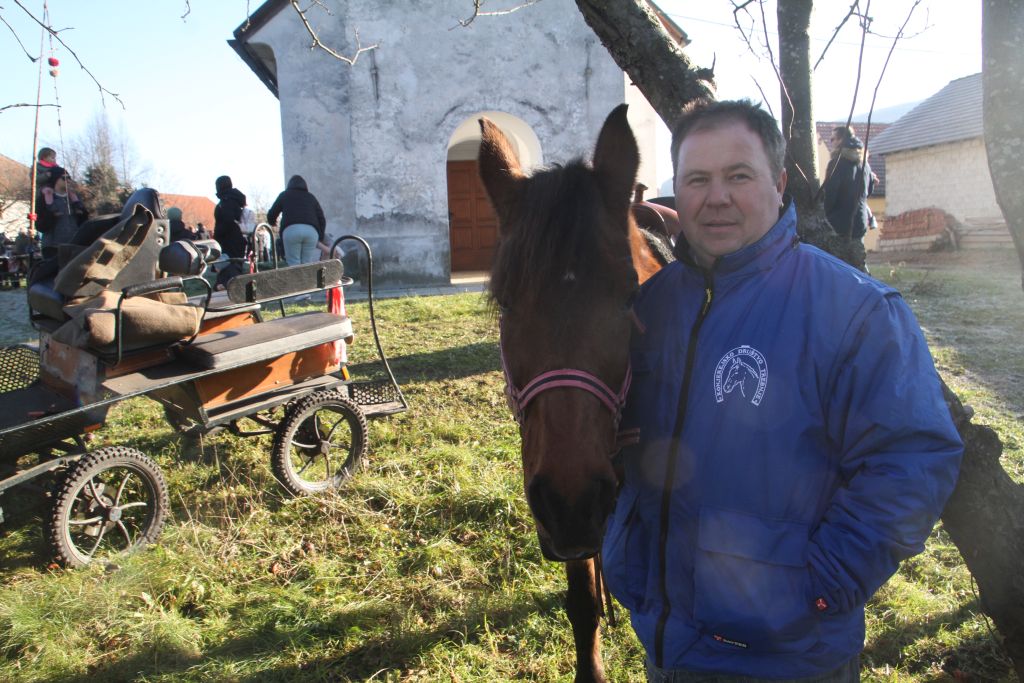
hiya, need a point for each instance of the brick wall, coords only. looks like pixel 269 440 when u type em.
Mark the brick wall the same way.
pixel 953 177
pixel 917 229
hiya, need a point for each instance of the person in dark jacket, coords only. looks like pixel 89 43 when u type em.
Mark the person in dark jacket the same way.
pixel 179 231
pixel 794 445
pixel 226 216
pixel 60 211
pixel 302 222
pixel 227 228
pixel 847 185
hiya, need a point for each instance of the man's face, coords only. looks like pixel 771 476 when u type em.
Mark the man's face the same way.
pixel 726 194
pixel 836 141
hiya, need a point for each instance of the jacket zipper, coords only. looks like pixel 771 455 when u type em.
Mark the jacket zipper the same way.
pixel 670 472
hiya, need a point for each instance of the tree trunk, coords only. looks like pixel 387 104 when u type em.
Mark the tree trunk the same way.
pixel 634 37
pixel 794 21
pixel 985 515
pixel 985 519
pixel 1002 30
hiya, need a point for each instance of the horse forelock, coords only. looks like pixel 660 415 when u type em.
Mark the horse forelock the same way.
pixel 559 242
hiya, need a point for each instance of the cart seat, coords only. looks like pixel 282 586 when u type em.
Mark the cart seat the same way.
pixel 221 306
pixel 265 340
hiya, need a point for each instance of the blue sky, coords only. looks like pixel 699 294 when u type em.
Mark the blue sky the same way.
pixel 194 111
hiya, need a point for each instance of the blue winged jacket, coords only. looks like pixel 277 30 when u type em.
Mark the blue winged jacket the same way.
pixel 794 448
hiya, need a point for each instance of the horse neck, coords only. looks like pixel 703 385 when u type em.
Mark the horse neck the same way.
pixel 644 261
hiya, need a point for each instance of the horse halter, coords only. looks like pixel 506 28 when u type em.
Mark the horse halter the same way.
pixel 519 399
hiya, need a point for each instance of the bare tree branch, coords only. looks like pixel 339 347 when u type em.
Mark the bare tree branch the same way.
pixel 55 33
pixel 188 10
pixel 496 13
pixel 18 38
pixel 11 106
pixel 896 39
pixel 316 39
pixel 835 33
pixel 865 25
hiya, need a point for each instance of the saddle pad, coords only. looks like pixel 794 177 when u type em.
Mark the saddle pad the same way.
pixel 253 343
pixel 276 284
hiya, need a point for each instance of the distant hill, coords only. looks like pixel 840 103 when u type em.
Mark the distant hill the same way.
pixel 883 115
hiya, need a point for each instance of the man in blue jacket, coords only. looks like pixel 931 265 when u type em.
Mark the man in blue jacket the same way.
pixel 794 444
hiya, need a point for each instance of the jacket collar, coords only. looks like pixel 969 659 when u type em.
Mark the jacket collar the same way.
pixel 760 254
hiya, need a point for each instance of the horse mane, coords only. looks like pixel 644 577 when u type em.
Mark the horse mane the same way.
pixel 557 242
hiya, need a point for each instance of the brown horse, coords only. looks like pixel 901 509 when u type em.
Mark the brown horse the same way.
pixel 568 261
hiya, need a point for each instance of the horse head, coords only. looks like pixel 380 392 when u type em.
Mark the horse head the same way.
pixel 737 376
pixel 563 278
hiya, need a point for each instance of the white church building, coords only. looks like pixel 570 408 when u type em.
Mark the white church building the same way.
pixel 388 145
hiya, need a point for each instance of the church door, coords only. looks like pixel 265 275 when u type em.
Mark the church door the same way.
pixel 472 224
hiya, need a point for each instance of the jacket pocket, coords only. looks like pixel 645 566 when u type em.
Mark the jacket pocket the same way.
pixel 623 553
pixel 752 584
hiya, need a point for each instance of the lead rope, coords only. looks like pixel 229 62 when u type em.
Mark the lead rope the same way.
pixel 603 592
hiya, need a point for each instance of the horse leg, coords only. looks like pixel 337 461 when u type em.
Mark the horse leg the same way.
pixel 583 606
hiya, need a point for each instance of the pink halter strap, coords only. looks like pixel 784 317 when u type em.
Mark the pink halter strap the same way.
pixel 518 399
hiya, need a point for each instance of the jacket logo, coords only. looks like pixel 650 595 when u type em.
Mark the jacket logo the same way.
pixel 742 369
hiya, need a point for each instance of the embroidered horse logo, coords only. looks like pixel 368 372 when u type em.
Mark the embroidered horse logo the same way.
pixel 739 373
pixel 743 367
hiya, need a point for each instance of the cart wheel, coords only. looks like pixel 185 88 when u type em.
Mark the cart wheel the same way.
pixel 319 444
pixel 113 500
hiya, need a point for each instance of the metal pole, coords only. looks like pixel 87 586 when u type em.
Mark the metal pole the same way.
pixel 35 135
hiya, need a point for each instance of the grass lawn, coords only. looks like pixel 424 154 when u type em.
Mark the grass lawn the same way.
pixel 425 566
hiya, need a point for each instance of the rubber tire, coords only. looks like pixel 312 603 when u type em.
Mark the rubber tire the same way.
pixel 294 419
pixel 72 495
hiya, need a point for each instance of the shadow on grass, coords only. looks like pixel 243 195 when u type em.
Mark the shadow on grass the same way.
pixel 979 656
pixel 22 536
pixel 453 363
pixel 394 651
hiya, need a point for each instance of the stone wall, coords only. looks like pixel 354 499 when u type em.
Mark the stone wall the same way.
pixel 372 139
pixel 953 177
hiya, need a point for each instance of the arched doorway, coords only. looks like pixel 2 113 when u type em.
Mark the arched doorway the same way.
pixel 472 225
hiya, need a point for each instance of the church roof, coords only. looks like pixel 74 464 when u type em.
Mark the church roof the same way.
pixel 263 64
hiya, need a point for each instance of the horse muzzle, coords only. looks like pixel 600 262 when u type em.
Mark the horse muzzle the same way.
pixel 570 529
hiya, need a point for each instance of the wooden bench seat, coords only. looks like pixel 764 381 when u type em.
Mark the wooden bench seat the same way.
pixel 264 340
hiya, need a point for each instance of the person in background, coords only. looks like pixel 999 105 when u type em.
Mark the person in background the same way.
pixel 179 231
pixel 302 222
pixel 793 442
pixel 46 164
pixel 848 182
pixel 227 228
pixel 60 212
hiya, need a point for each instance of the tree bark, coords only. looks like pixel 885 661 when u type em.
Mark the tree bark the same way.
pixel 795 89
pixel 985 519
pixel 794 21
pixel 1002 30
pixel 635 39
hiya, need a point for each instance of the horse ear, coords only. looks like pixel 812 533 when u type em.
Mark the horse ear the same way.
pixel 499 168
pixel 617 159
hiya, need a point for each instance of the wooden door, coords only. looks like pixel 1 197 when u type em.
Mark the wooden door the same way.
pixel 473 227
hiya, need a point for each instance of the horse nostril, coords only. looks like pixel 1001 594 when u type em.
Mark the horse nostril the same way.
pixel 600 500
pixel 538 496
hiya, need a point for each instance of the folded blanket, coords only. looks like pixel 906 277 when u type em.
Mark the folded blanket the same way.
pixel 145 321
pixel 95 267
